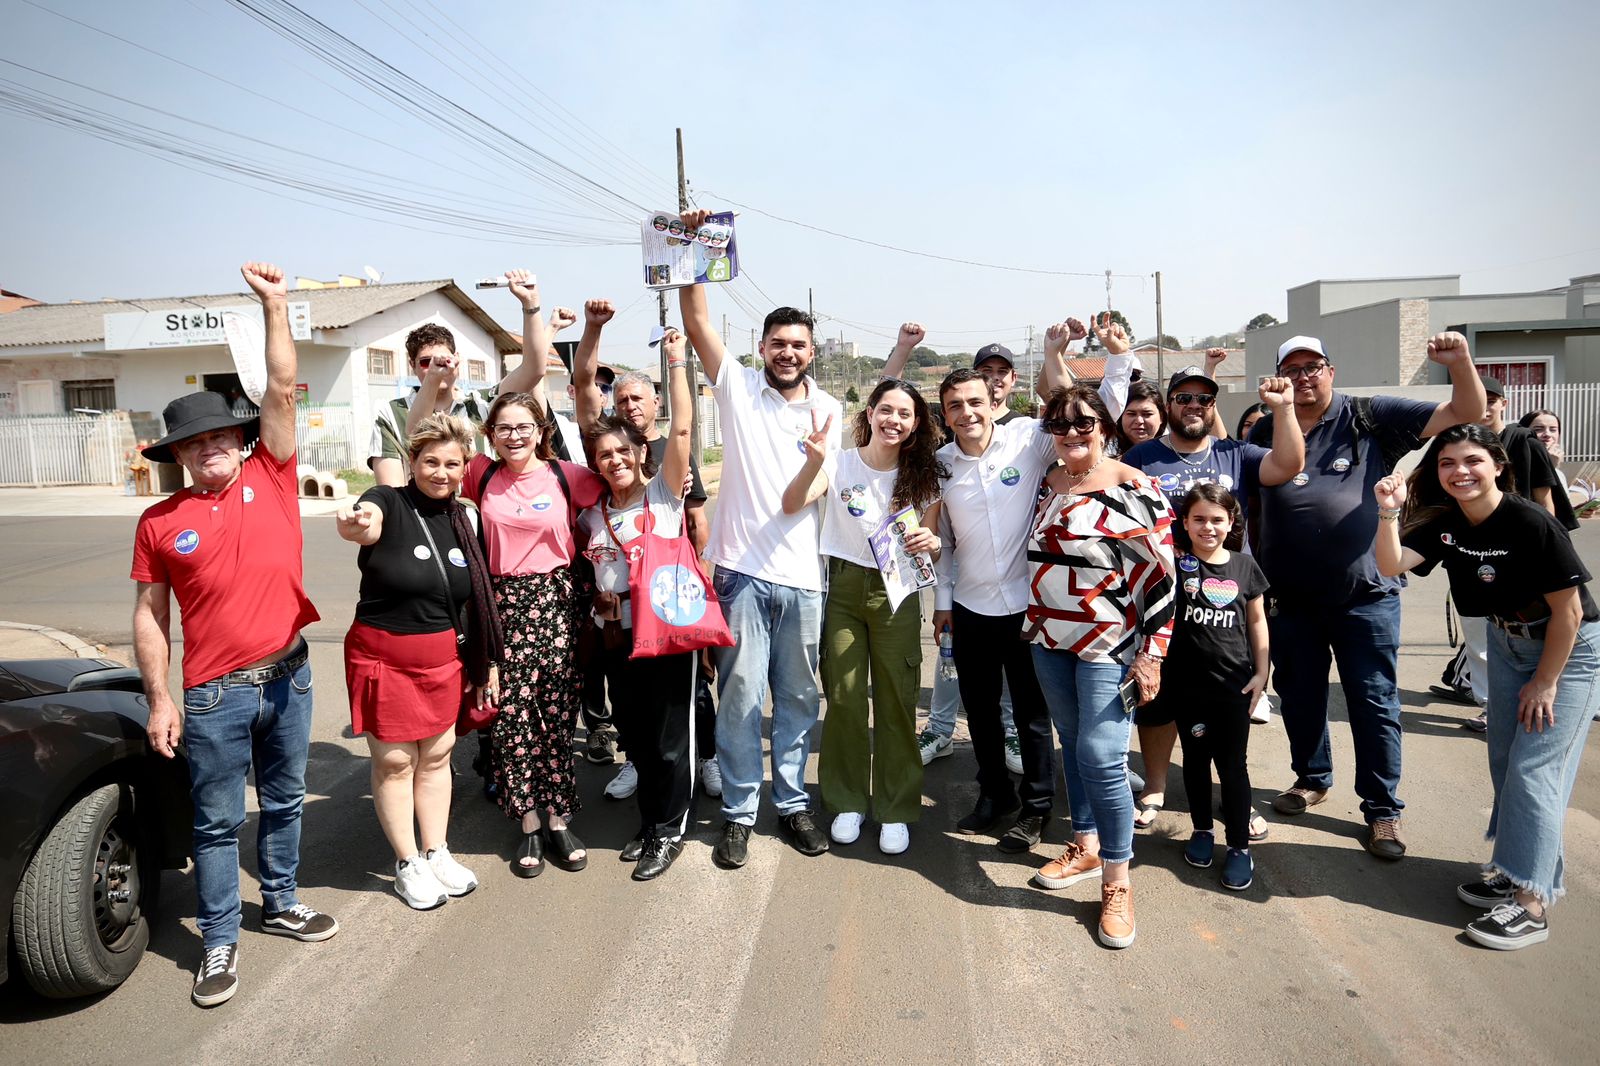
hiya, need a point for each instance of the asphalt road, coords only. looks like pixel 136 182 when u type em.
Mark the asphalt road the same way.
pixel 943 954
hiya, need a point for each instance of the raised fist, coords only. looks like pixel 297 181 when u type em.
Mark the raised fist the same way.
pixel 1214 358
pixel 1390 492
pixel 1057 337
pixel 1448 348
pixel 266 280
pixel 561 318
pixel 674 343
pixel 911 334
pixel 598 312
pixel 1276 393
pixel 1076 330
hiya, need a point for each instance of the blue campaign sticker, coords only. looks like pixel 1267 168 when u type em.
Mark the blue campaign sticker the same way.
pixel 677 596
pixel 1168 482
pixel 1188 564
pixel 456 558
pixel 186 542
pixel 540 502
pixel 1010 476
pixel 855 498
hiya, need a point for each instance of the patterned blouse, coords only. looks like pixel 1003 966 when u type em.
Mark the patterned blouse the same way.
pixel 1102 567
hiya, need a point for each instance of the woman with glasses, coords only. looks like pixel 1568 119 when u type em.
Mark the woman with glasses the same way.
pixel 1510 560
pixel 653 696
pixel 529 501
pixel 865 637
pixel 1101 612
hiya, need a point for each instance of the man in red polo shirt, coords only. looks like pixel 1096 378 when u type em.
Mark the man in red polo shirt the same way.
pixel 229 549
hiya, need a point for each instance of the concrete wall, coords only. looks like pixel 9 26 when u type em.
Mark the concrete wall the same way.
pixel 1309 301
pixel 1363 343
pixel 54 368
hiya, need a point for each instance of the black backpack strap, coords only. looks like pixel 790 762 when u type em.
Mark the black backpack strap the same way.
pixel 488 476
pixel 558 442
pixel 1393 443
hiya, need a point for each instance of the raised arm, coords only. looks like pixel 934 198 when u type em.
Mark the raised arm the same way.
pixel 911 334
pixel 589 399
pixel 680 430
pixel 529 374
pixel 1392 559
pixel 1288 455
pixel 277 406
pixel 696 318
pixel 1119 363
pixel 811 481
pixel 1214 359
pixel 1053 372
pixel 152 650
pixel 1467 397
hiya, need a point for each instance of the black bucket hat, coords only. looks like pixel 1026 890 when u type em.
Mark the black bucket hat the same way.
pixel 196 413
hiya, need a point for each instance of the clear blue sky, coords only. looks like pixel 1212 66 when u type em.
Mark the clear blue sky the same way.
pixel 1239 149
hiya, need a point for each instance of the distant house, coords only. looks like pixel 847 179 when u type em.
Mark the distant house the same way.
pixel 11 301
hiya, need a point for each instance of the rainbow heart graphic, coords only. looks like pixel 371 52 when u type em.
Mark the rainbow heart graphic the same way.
pixel 1218 592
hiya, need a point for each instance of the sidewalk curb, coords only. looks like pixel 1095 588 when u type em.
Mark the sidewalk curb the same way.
pixel 77 647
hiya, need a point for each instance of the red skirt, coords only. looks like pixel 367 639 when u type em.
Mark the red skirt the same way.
pixel 403 687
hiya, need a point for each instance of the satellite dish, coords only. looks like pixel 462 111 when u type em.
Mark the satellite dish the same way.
pixel 373 274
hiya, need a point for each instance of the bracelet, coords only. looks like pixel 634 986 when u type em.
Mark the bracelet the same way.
pixel 677 364
pixel 532 310
pixel 1388 516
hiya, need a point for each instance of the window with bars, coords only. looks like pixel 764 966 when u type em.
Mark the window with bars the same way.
pixel 380 363
pixel 477 370
pixel 94 394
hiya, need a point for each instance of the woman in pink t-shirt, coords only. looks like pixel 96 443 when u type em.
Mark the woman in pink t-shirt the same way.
pixel 529 500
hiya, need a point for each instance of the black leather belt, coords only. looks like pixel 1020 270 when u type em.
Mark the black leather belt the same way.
pixel 1527 630
pixel 260 675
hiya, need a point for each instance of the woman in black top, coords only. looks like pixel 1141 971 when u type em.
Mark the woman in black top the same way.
pixel 425 633
pixel 1508 560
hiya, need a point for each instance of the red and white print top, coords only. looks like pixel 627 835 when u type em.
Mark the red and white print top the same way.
pixel 1102 567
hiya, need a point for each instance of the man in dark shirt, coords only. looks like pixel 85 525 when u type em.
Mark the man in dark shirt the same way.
pixel 1329 601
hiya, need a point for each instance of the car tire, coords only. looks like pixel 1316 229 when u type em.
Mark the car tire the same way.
pixel 78 920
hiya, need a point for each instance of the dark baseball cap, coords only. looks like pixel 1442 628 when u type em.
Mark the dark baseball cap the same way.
pixel 1493 387
pixel 994 351
pixel 1189 373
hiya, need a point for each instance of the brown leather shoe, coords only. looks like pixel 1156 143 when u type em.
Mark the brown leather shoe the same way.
pixel 1116 915
pixel 1385 840
pixel 1297 799
pixel 1068 868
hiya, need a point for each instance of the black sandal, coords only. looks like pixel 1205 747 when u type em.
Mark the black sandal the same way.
pixel 532 847
pixel 562 844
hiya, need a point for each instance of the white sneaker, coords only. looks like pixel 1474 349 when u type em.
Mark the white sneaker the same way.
pixel 933 746
pixel 416 883
pixel 1262 714
pixel 847 827
pixel 625 784
pixel 1014 754
pixel 894 838
pixel 456 879
pixel 710 777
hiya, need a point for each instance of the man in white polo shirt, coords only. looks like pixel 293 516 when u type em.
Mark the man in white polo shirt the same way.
pixel 769 574
pixel 982 595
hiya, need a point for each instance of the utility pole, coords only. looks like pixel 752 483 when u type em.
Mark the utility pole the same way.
pixel 1161 373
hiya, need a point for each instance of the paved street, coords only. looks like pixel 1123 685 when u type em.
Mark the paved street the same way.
pixel 943 954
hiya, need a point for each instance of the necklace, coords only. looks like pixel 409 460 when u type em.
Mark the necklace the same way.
pixel 1074 480
pixel 1199 457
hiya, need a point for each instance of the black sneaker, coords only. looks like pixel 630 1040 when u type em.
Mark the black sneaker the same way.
pixel 1454 693
pixel 801 831
pixel 734 847
pixel 217 979
pixel 602 747
pixel 657 858
pixel 300 922
pixel 1024 834
pixel 986 814
pixel 1487 895
pixel 633 848
pixel 1509 927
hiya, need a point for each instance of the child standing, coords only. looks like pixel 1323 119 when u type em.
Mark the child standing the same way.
pixel 1218 660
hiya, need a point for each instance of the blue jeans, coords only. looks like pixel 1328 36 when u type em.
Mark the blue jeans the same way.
pixel 226 729
pixel 946 701
pixel 776 631
pixel 1363 637
pixel 1533 773
pixel 1087 710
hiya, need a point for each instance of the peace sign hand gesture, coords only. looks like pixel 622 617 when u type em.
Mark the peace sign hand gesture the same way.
pixel 816 443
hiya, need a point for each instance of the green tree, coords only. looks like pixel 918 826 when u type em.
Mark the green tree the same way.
pixel 923 356
pixel 1167 341
pixel 1261 321
pixel 851 395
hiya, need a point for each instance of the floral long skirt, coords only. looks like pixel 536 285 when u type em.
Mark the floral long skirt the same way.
pixel 539 695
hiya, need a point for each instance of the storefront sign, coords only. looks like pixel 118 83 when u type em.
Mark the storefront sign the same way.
pixel 187 327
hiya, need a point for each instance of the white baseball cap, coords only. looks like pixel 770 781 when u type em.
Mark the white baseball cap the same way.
pixel 1300 344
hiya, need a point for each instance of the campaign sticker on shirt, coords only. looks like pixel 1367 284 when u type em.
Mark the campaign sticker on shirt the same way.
pixel 1168 482
pixel 1010 476
pixel 186 542
pixel 1226 481
pixel 1301 478
pixel 456 558
pixel 855 499
pixel 1188 564
pixel 1340 465
pixel 1486 573
pixel 540 502
pixel 249 494
pixel 421 552
pixel 677 596
pixel 1197 730
pixel 1448 538
pixel 1219 592
pixel 615 522
pixel 1191 586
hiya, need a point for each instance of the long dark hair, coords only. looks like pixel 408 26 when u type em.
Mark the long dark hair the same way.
pixel 918 470
pixel 615 425
pixel 1142 389
pixel 1256 408
pixel 1211 492
pixel 546 448
pixel 1426 498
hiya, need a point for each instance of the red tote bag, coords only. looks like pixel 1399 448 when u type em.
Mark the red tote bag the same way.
pixel 674 609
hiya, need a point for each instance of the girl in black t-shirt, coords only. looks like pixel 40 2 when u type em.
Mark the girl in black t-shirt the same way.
pixel 1218 660
pixel 1510 561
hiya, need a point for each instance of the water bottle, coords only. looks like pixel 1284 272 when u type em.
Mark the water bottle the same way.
pixel 947 656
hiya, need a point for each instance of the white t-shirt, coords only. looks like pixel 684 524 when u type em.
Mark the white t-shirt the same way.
pixel 597 543
pixel 858 498
pixel 762 437
pixel 987 515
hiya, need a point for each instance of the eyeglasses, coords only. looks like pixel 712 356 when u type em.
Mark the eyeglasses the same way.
pixel 1183 399
pixel 522 429
pixel 1310 370
pixel 1060 427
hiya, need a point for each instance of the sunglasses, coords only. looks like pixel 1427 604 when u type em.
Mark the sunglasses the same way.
pixel 1060 427
pixel 1183 399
